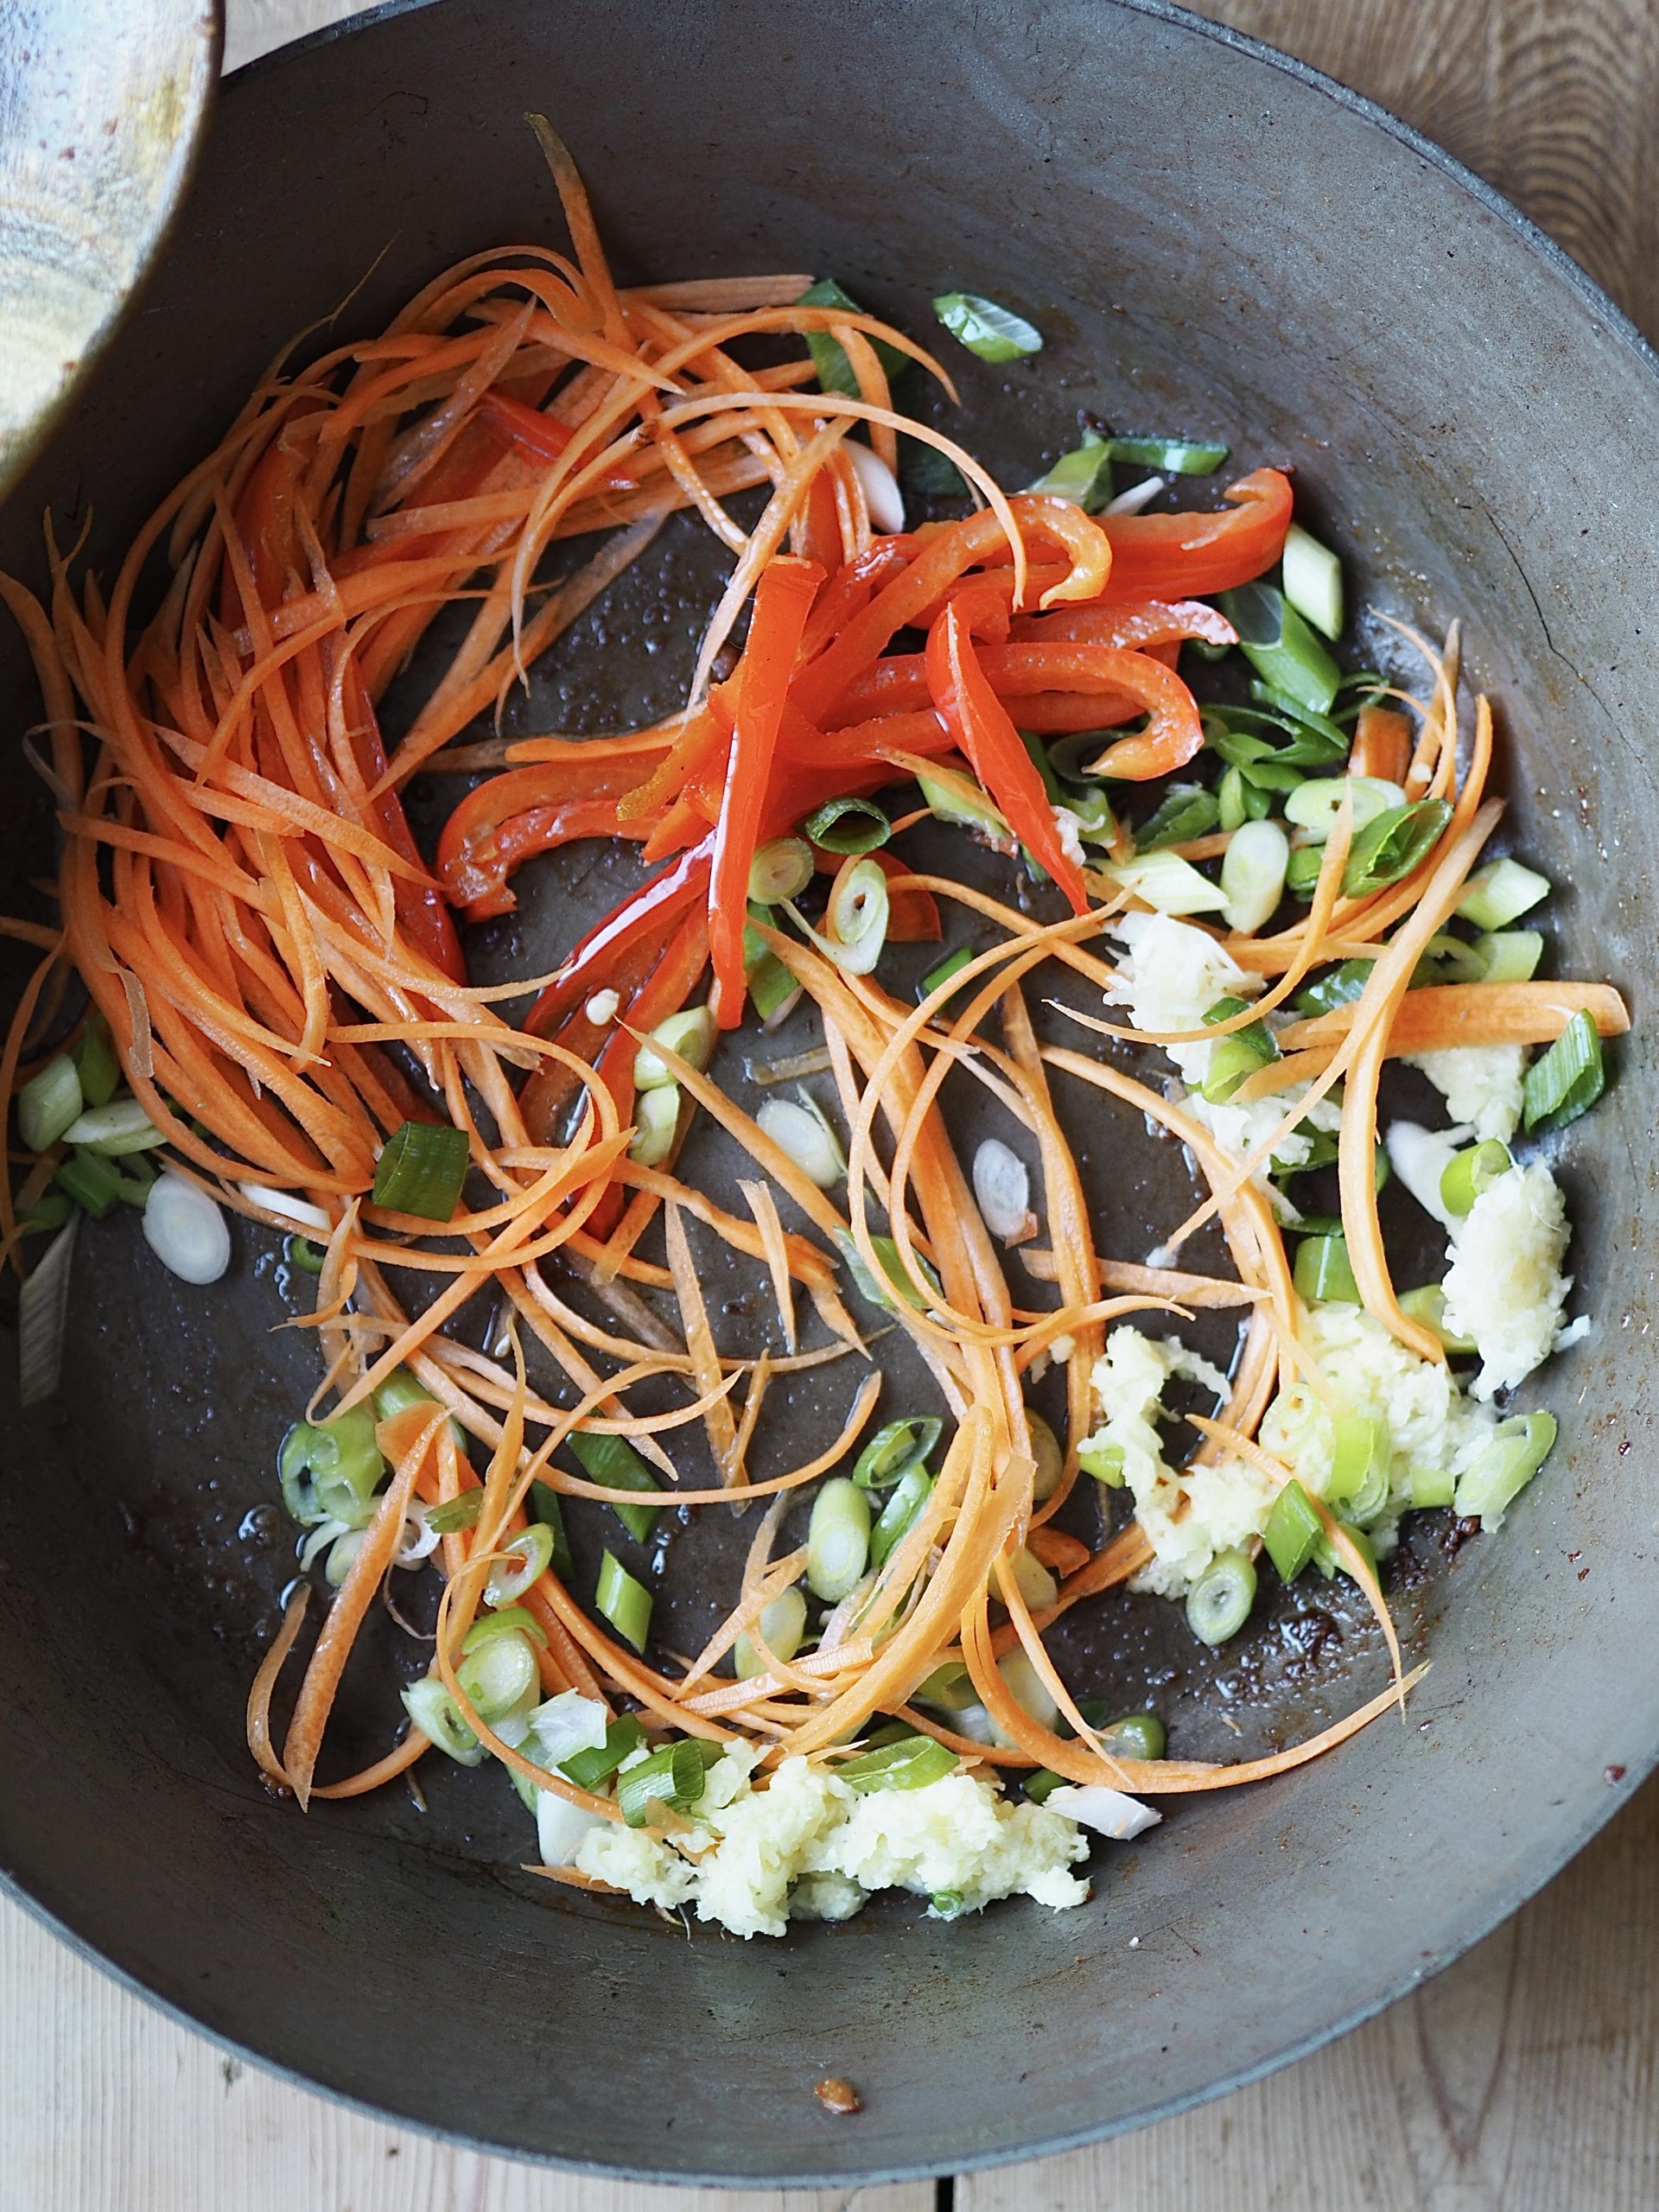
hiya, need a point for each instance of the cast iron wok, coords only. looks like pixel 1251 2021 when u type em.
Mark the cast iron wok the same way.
pixel 1213 240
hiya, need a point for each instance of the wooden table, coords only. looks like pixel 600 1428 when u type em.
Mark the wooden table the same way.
pixel 1525 2076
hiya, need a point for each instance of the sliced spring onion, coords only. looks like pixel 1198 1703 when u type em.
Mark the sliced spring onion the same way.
pixel 1047 1457
pixel 926 473
pixel 136 1181
pixel 421 1170
pixel 673 1776
pixel 329 1470
pixel 569 1723
pixel 42 1313
pixel 624 1602
pixel 1391 844
pixel 1517 1448
pixel 1218 1603
pixel 805 1133
pixel 456 1513
pixel 1432 1487
pixel 1253 870
pixel 1314 737
pixel 656 1122
pixel 1568 1079
pixel 895 1283
pixel 837 1540
pixel 1293 1531
pixel 1084 476
pixel 92 1182
pixel 1447 959
pixel 1324 1272
pixel 910 1763
pixel 1501 893
pixel 96 1063
pixel 940 974
pixel 1041 1783
pixel 1337 986
pixel 1359 1466
pixel 543 1507
pixel 612 1462
pixel 1238 802
pixel 1138 496
pixel 1313 576
pixel 1238 1054
pixel 1508 956
pixel 782 1626
pixel 1428 1305
pixel 1130 1735
pixel 1168 884
pixel 1002 1190
pixel 1314 806
pixel 1469 1172
pixel 845 825
pixel 1104 1462
pixel 773 991
pixel 911 1494
pixel 894 1449
pixel 994 333
pixel 1107 1811
pixel 437 1716
pixel 341 1553
pixel 782 868
pixel 949 1689
pixel 52 1210
pixel 559 1825
pixel 959 799
pixel 1035 1584
pixel 1173 457
pixel 690 1033
pixel 589 1767
pixel 829 356
pixel 522 1564
pixel 121 1127
pixel 499 1673
pixel 879 485
pixel 282 1202
pixel 1280 644
pixel 855 918
pixel 300 1252
pixel 1186 810
pixel 49 1104
pixel 186 1229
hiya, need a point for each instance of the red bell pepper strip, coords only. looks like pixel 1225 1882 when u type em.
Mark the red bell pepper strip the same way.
pixel 1137 625
pixel 645 915
pixel 1178 556
pixel 980 724
pixel 783 598
pixel 850 590
pixel 544 436
pixel 503 821
pixel 943 556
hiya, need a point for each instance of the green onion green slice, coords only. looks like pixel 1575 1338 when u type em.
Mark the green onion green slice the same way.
pixel 1518 1448
pixel 914 1488
pixel 1237 1055
pixel 91 1181
pixel 781 869
pixel 837 1540
pixel 894 1448
pixel 942 971
pixel 1565 1082
pixel 49 1104
pixel 1501 893
pixel 1186 810
pixel 844 825
pixel 1281 647
pixel 673 1776
pixel 542 1505
pixel 910 1763
pixel 1169 456
pixel 1312 579
pixel 437 1716
pixel 1084 476
pixel 521 1565
pixel 96 1063
pixel 829 356
pixel 1391 844
pixel 1293 1531
pixel 1218 1603
pixel 994 333
pixel 421 1169
pixel 613 1462
pixel 1467 1173
pixel 587 1768
pixel 624 1602
pixel 1324 1272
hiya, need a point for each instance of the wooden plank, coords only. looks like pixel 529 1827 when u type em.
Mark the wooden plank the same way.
pixel 1552 103
pixel 108 2107
pixel 1521 2078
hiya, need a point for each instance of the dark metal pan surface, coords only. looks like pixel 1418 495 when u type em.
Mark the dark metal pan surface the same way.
pixel 1215 241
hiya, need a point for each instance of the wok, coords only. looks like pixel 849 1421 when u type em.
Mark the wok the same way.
pixel 1214 240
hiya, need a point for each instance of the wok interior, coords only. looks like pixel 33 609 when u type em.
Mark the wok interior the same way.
pixel 1211 244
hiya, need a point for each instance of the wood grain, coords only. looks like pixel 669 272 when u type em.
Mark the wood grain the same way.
pixel 1524 2078
pixel 1552 101
pixel 107 2106
pixel 1521 2080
